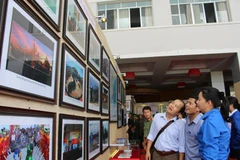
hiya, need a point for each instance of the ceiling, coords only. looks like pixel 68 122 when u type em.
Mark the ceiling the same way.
pixel 163 73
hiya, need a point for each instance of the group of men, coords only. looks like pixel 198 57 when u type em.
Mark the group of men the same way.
pixel 179 139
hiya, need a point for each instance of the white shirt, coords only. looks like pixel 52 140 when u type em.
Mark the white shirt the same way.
pixel 172 138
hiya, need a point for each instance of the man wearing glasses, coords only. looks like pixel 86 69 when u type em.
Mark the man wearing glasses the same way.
pixel 171 142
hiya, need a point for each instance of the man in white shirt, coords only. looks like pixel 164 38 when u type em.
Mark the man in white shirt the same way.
pixel 170 143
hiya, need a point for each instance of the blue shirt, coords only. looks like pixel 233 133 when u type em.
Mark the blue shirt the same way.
pixel 214 136
pixel 191 146
pixel 172 138
pixel 235 130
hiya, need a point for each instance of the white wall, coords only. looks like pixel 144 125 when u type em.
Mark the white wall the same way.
pixel 175 40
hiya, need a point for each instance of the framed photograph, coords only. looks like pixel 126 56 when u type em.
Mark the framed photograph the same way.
pixel 29 55
pixel 113 95
pixel 105 135
pixel 73 80
pixel 94 49
pixel 2 15
pixel 105 100
pixel 119 90
pixel 124 118
pixel 3 4
pixel 93 93
pixel 105 65
pixel 119 115
pixel 75 27
pixel 50 9
pixel 26 134
pixel 71 137
pixel 123 96
pixel 93 138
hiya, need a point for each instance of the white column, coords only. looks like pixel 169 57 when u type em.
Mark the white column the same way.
pixel 218 80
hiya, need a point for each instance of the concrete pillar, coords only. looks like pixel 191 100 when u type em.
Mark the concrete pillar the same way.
pixel 218 80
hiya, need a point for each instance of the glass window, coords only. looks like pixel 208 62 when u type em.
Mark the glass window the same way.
pixel 173 1
pixel 222 12
pixel 174 9
pixel 175 20
pixel 186 15
pixel 101 7
pixel 112 19
pixel 102 25
pixel 129 4
pixel 144 3
pixel 146 16
pixel 126 15
pixel 198 13
pixel 123 18
pixel 113 6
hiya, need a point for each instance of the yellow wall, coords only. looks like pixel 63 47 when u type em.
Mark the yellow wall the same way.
pixel 237 90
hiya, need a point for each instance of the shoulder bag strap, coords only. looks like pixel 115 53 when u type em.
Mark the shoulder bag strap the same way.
pixel 161 130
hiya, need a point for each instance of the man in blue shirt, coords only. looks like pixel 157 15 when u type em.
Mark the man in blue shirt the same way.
pixel 235 128
pixel 193 124
pixel 170 143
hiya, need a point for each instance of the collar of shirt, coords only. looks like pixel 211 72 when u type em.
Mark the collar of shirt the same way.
pixel 148 120
pixel 195 120
pixel 165 117
pixel 209 113
pixel 235 110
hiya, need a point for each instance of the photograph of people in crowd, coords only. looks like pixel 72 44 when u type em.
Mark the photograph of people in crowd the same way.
pixel 24 142
pixel 72 142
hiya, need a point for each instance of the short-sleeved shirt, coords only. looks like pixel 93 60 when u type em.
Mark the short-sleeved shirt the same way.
pixel 172 138
pixel 191 146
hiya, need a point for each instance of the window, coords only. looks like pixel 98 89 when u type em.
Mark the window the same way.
pixel 198 11
pixel 126 15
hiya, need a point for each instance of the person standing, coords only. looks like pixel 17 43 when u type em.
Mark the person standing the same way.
pixel 235 128
pixel 130 125
pixel 170 143
pixel 193 124
pixel 147 112
pixel 214 134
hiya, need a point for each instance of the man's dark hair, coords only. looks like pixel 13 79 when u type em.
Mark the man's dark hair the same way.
pixel 146 108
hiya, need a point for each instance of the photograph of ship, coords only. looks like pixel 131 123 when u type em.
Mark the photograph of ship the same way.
pixel 94 138
pixel 105 100
pixel 105 134
pixel 24 142
pixel 29 57
pixel 74 84
pixel 72 142
pixel 94 95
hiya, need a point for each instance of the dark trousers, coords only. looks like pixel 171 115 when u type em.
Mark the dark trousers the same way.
pixel 234 153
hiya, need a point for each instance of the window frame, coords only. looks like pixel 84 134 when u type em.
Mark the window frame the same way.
pixel 122 8
pixel 214 2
